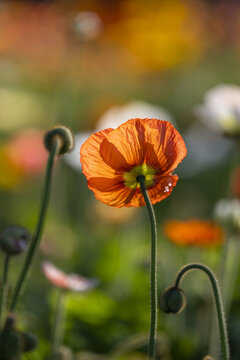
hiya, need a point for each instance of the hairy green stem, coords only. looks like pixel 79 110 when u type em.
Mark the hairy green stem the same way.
pixel 58 324
pixel 3 295
pixel 40 224
pixel 218 302
pixel 153 324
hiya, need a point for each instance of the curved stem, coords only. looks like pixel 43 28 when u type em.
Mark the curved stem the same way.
pixel 39 228
pixel 218 303
pixel 3 296
pixel 153 324
pixel 58 324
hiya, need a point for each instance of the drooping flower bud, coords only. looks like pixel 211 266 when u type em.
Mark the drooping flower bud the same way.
pixel 29 341
pixel 173 300
pixel 14 342
pixel 63 134
pixel 14 239
pixel 10 342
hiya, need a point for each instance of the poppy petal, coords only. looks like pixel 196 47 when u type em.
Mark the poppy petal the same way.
pixel 161 190
pixel 151 141
pixel 92 162
pixel 165 143
pixel 123 148
pixel 110 192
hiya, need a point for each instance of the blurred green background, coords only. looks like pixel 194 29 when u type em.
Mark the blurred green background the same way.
pixel 68 62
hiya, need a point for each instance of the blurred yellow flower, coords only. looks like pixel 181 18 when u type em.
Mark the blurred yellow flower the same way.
pixel 19 108
pixel 161 35
pixel 10 174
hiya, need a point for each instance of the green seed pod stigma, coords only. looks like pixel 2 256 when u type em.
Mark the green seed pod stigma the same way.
pixel 64 135
pixel 14 239
pixel 173 300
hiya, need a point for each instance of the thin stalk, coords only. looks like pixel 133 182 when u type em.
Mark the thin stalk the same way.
pixel 153 272
pixel 3 295
pixel 218 302
pixel 58 328
pixel 40 224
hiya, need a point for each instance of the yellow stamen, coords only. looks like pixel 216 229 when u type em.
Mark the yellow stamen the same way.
pixel 130 177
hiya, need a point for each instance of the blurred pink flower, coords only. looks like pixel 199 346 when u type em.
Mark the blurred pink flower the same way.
pixel 26 150
pixel 62 280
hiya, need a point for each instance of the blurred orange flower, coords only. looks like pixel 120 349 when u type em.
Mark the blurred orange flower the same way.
pixel 194 232
pixel 113 159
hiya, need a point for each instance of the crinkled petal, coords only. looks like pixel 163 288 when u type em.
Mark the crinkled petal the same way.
pixel 92 163
pixel 162 189
pixel 154 142
pixel 110 191
pixel 123 148
pixel 164 147
pixel 114 193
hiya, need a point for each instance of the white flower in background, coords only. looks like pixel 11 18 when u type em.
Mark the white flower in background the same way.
pixel 62 280
pixel 205 149
pixel 72 158
pixel 87 25
pixel 228 211
pixel 118 114
pixel 221 109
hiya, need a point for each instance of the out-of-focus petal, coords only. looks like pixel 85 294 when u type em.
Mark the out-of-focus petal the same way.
pixel 205 149
pixel 62 280
pixel 55 276
pixel 194 232
pixel 221 109
pixel 79 283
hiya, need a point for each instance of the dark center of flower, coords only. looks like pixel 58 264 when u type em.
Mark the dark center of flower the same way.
pixel 131 177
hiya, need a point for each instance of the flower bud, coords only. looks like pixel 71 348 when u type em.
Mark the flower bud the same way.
pixel 14 342
pixel 173 300
pixel 63 134
pixel 208 357
pixel 14 239
pixel 10 341
pixel 29 341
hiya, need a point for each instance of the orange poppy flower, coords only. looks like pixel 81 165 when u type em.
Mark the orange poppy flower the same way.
pixel 194 232
pixel 113 159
